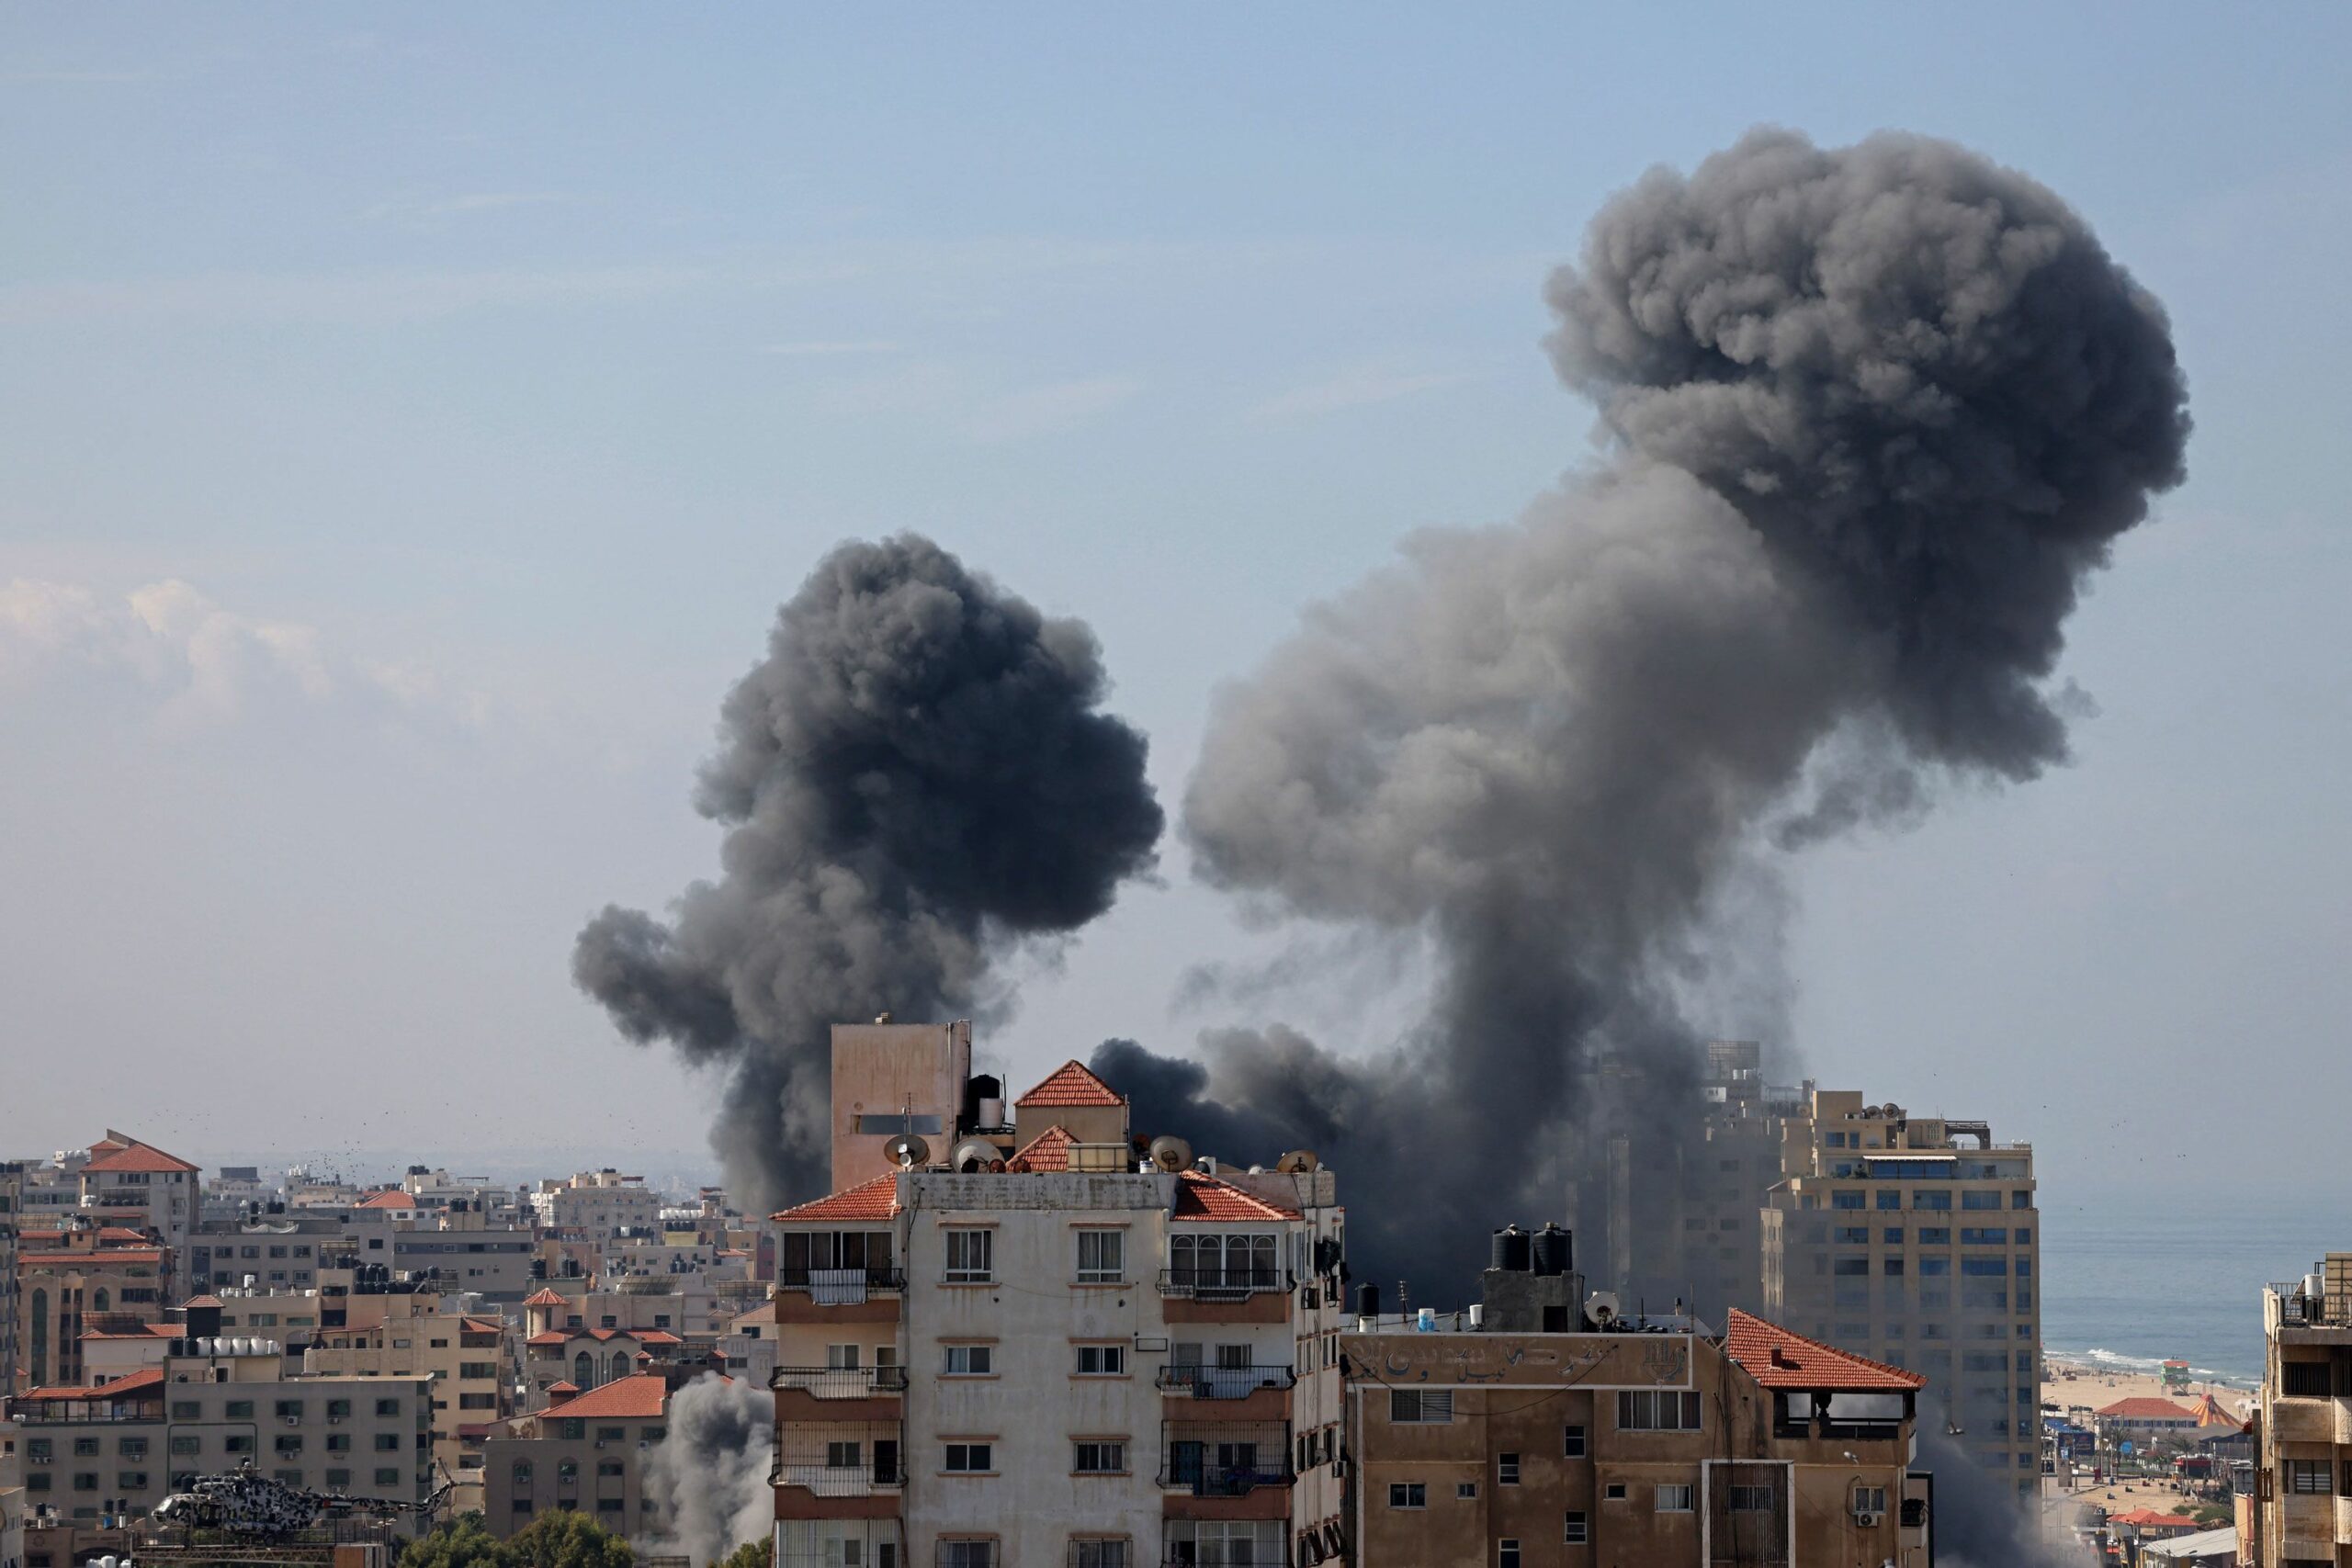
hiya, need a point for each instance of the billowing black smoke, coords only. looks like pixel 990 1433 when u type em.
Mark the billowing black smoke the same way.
pixel 916 779
pixel 1871 415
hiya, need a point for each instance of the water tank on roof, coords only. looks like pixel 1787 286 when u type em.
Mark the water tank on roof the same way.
pixel 1550 1249
pixel 1508 1251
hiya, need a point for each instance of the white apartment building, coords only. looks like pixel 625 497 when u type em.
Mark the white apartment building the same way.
pixel 1076 1355
pixel 598 1204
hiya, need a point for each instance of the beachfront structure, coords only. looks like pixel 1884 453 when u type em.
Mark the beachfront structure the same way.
pixel 2299 1507
pixel 1492 1441
pixel 1065 1350
pixel 2145 1422
pixel 1914 1240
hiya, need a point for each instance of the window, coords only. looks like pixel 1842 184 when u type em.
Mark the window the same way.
pixel 1980 1201
pixel 186 1443
pixel 388 1478
pixel 1851 1236
pixel 846 1455
pixel 1420 1406
pixel 1873 1499
pixel 967 1555
pixel 240 1410
pixel 184 1410
pixel 612 1467
pixel 2020 1199
pixel 969 1459
pixel 1890 1198
pixel 1096 1456
pixel 338 1409
pixel 1848 1199
pixel 1407 1494
pixel 1660 1410
pixel 2310 1475
pixel 1934 1266
pixel 131 1480
pixel 1674 1498
pixel 1575 1531
pixel 1505 1470
pixel 85 1448
pixel 1101 1360
pixel 1101 1257
pixel 1572 1442
pixel 2304 1379
pixel 1751 1499
pixel 388 1442
pixel 970 1256
pixel 1099 1554
pixel 522 1473
pixel 1507 1555
pixel 388 1407
pixel 337 1480
pixel 1467 1491
pixel 970 1361
pixel 1931 1199
pixel 1613 1492
pixel 1982 1235
pixel 1851 1268
pixel 841 1357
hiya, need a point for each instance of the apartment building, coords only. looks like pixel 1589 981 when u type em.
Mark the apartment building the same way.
pixel 1914 1241
pixel 12 1194
pixel 596 1205
pixel 463 1356
pixel 1066 1350
pixel 214 1405
pixel 748 1345
pixel 233 1193
pixel 130 1183
pixel 271 1251
pixel 572 1345
pixel 585 1453
pixel 81 1270
pixel 1638 1442
pixel 2298 1510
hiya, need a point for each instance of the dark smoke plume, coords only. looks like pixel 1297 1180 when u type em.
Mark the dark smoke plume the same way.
pixel 918 778
pixel 1871 415
pixel 710 1471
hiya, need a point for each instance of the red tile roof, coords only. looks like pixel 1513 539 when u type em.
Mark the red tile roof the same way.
pixel 874 1200
pixel 134 1382
pixel 1049 1150
pixel 106 1234
pixel 1201 1196
pixel 390 1198
pixel 543 1297
pixel 642 1336
pixel 481 1325
pixel 548 1337
pixel 2145 1409
pixel 136 1156
pixel 201 1302
pixel 641 1396
pixel 2149 1518
pixel 1779 1357
pixel 1069 1085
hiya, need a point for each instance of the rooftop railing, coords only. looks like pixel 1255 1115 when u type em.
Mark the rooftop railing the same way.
pixel 841 1383
pixel 1221 1284
pixel 1224 1382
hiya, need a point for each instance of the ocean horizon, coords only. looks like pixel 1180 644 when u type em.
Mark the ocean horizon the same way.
pixel 2131 1280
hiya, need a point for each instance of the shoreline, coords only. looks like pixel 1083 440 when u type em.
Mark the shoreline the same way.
pixel 2069 1380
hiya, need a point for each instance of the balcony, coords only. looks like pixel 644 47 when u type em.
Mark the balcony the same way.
pixel 1214 1461
pixel 1222 1383
pixel 840 1383
pixel 1221 1285
pixel 2303 1420
pixel 852 1284
pixel 839 1458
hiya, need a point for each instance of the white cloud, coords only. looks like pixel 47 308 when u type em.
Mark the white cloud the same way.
pixel 1360 387
pixel 975 409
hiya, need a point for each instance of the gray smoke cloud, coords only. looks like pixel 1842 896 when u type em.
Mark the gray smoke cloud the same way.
pixel 916 780
pixel 1871 416
pixel 709 1472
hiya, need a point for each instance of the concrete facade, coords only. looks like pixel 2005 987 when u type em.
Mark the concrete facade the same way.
pixel 2298 1511
pixel 890 1078
pixel 11 1196
pixel 586 1454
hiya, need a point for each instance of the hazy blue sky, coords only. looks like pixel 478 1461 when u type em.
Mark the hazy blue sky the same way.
pixel 410 420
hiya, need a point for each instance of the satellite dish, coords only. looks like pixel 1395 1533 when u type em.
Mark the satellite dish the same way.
pixel 906 1150
pixel 1170 1154
pixel 974 1155
pixel 1601 1308
pixel 1298 1162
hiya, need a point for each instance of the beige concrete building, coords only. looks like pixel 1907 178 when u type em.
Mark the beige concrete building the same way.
pixel 2298 1509
pixel 125 1182
pixel 463 1356
pixel 890 1078
pixel 12 1195
pixel 1059 1353
pixel 585 1453
pixel 73 1277
pixel 1913 1240
pixel 1651 1445
pixel 596 1205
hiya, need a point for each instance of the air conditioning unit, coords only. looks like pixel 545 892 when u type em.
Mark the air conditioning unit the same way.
pixel 1869 1521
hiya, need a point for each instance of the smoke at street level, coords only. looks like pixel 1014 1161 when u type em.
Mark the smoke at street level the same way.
pixel 916 780
pixel 1872 414
pixel 709 1472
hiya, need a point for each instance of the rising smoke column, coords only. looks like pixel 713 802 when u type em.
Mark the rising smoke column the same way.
pixel 1871 415
pixel 917 779
pixel 709 1472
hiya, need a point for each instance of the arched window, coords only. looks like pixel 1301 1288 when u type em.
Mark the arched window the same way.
pixel 522 1473
pixel 101 1301
pixel 618 1366
pixel 41 1339
pixel 583 1370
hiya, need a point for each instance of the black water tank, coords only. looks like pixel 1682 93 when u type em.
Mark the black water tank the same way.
pixel 1552 1251
pixel 1508 1251
pixel 1368 1300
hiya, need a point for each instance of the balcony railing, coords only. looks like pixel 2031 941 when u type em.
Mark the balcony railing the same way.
pixel 1224 1382
pixel 841 1383
pixel 1216 1461
pixel 1221 1285
pixel 1214 1555
pixel 1106 1552
pixel 860 1281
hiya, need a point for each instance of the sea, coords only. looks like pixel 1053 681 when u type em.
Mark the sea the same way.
pixel 2132 1278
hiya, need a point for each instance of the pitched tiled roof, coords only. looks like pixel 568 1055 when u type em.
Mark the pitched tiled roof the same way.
pixel 874 1200
pixel 390 1198
pixel 135 1155
pixel 543 1297
pixel 1201 1196
pixel 2150 1518
pixel 134 1382
pixel 1779 1357
pixel 548 1337
pixel 641 1396
pixel 1069 1085
pixel 106 1234
pixel 483 1324
pixel 763 1312
pixel 201 1302
pixel 2145 1410
pixel 1049 1150
pixel 601 1336
pixel 102 1258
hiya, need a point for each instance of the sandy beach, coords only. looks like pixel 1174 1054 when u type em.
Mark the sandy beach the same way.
pixel 2071 1382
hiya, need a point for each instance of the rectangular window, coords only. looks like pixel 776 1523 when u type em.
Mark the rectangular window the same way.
pixel 1574 1532
pixel 969 1459
pixel 846 1455
pixel 240 1410
pixel 1751 1499
pixel 1094 1456
pixel 1101 1257
pixel 970 1256
pixel 1890 1198
pixel 1099 1554
pixel 1929 1267
pixel 1659 1410
pixel 1572 1442
pixel 388 1478
pixel 1674 1498
pixel 1851 1268
pixel 1420 1406
pixel 2310 1475
pixel 2304 1379
pixel 1467 1491
pixel 1980 1201
pixel 1507 1470
pixel 1893 1269
pixel 1847 1200
pixel 1408 1494
pixel 964 1554
pixel 843 1357
pixel 1931 1199
pixel 1101 1360
pixel 1983 1235
pixel 1851 1236
pixel 388 1442
pixel 2020 1199
pixel 970 1361
pixel 388 1407
pixel 1507 1555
